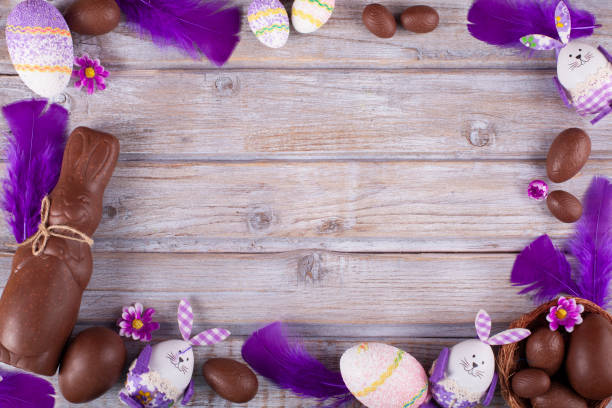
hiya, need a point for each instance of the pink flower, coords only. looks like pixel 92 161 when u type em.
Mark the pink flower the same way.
pixel 90 73
pixel 567 314
pixel 136 324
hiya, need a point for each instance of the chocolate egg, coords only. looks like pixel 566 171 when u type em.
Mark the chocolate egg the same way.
pixel 91 365
pixel 530 382
pixel 568 153
pixel 589 358
pixel 558 396
pixel 379 20
pixel 420 19
pixel 564 206
pixel 93 17
pixel 231 379
pixel 545 349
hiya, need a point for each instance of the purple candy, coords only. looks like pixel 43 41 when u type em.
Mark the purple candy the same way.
pixel 537 190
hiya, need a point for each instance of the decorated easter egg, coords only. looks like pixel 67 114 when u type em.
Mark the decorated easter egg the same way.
pixel 40 46
pixel 308 16
pixel 269 22
pixel 382 376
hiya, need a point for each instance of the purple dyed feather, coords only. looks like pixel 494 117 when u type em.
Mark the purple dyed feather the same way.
pixel 592 243
pixel 544 270
pixel 21 390
pixel 190 25
pixel 269 352
pixel 505 22
pixel 34 154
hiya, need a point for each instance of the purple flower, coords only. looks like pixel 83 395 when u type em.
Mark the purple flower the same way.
pixel 567 313
pixel 537 190
pixel 136 324
pixel 90 73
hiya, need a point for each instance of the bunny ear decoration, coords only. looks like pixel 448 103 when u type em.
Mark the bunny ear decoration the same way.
pixel 508 337
pixel 483 325
pixel 205 338
pixel 563 22
pixel 540 42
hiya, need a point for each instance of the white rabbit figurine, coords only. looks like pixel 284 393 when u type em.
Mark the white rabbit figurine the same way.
pixel 584 72
pixel 162 374
pixel 464 376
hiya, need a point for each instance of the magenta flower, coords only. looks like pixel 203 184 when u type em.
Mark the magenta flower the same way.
pixel 136 324
pixel 567 314
pixel 90 73
pixel 537 190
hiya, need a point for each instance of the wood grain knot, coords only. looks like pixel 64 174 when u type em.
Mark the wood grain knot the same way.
pixel 260 218
pixel 310 268
pixel 332 225
pixel 109 211
pixel 227 86
pixel 479 133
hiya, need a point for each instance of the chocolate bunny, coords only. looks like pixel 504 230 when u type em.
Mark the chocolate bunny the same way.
pixel 41 300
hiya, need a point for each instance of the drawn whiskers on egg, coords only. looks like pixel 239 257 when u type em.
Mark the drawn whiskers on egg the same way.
pixel 477 373
pixel 574 65
pixel 466 365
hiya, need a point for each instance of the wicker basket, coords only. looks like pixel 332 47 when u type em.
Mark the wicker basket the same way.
pixel 511 357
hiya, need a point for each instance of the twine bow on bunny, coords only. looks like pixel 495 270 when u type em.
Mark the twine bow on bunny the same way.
pixel 41 237
pixel 185 322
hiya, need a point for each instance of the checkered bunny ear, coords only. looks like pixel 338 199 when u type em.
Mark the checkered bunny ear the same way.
pixel 185 322
pixel 483 325
pixel 508 337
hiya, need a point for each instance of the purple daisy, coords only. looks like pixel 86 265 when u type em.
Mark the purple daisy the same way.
pixel 90 73
pixel 567 314
pixel 137 324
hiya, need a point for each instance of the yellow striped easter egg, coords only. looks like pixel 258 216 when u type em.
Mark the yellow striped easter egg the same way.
pixel 269 22
pixel 382 376
pixel 308 16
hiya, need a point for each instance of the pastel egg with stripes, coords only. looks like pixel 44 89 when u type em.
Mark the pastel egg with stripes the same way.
pixel 269 22
pixel 383 376
pixel 308 16
pixel 40 46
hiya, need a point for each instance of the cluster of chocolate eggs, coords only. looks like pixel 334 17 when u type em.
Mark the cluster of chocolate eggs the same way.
pixel 570 370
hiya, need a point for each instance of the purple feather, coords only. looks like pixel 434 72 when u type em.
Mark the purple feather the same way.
pixel 543 269
pixel 592 243
pixel 505 22
pixel 191 25
pixel 20 390
pixel 34 153
pixel 269 352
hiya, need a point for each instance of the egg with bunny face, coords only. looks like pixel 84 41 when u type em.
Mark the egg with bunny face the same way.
pixel 471 365
pixel 173 359
pixel 578 64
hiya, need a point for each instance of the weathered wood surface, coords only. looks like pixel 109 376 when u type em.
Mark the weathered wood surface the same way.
pixel 357 188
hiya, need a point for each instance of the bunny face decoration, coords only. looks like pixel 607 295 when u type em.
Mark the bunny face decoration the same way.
pixel 584 73
pixel 163 373
pixel 464 376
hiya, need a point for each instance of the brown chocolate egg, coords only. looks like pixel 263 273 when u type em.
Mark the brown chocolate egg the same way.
pixel 564 206
pixel 93 17
pixel 530 383
pixel 92 364
pixel 559 396
pixel 589 358
pixel 231 379
pixel 379 20
pixel 545 349
pixel 420 19
pixel 568 153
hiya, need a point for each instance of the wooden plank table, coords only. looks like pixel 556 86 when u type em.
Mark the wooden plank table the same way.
pixel 354 187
